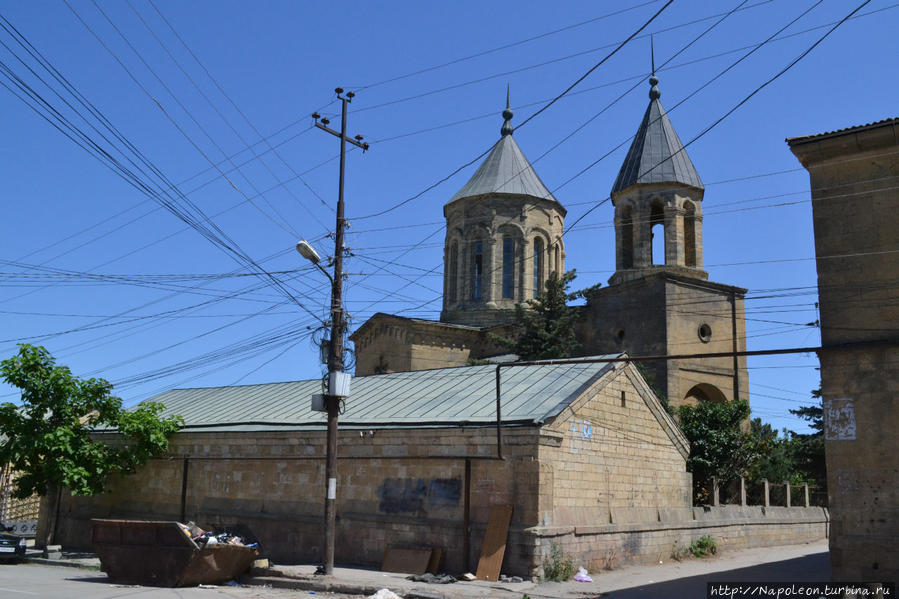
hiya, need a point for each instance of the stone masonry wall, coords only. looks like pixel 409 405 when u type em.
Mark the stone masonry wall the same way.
pixel 610 459
pixel 608 546
pixel 661 314
pixel 389 343
pixel 689 307
pixel 396 487
pixel 854 175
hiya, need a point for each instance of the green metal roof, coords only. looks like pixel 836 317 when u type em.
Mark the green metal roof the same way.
pixel 425 398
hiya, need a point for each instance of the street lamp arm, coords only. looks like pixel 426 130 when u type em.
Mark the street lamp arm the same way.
pixel 327 274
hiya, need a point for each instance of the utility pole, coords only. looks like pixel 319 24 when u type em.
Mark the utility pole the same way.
pixel 338 328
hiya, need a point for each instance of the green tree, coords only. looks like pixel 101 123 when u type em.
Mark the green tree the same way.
pixel 774 454
pixel 546 323
pixel 808 451
pixel 48 439
pixel 718 446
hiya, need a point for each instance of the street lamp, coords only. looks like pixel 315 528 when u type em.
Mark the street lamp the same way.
pixel 338 380
pixel 331 402
pixel 308 252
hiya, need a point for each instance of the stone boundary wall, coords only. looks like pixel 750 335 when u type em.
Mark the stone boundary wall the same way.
pixel 396 487
pixel 606 546
pixel 407 488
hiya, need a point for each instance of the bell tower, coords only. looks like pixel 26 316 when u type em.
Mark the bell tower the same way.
pixel 660 302
pixel 658 202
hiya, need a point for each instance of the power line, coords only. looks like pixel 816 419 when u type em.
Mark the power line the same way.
pixel 193 216
pixel 539 111
pixel 540 64
pixel 503 47
pixel 233 104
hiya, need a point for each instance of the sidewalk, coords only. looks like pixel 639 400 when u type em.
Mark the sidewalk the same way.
pixel 808 563
pixel 69 559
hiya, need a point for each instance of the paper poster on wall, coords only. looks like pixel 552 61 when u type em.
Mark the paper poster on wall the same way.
pixel 839 419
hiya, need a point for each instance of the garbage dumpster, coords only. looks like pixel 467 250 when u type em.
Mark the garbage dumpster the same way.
pixel 163 554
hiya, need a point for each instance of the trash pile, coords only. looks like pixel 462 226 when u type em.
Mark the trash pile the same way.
pixel 205 538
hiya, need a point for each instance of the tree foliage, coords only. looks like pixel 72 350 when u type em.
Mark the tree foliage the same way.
pixel 546 323
pixel 808 449
pixel 48 438
pixel 774 454
pixel 718 445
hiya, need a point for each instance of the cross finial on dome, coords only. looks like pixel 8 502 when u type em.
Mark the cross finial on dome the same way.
pixel 507 115
pixel 654 93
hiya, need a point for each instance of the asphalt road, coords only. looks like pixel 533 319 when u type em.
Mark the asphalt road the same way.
pixel 687 579
pixel 26 581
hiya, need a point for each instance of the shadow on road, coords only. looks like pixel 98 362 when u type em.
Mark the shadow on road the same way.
pixel 809 568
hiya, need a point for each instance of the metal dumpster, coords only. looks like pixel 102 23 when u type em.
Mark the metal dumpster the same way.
pixel 163 554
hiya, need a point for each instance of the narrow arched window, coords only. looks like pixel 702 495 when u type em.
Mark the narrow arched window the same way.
pixel 453 271
pixel 538 266
pixel 689 234
pixel 508 267
pixel 657 234
pixel 627 238
pixel 477 270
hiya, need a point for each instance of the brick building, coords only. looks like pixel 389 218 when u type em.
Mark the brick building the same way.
pixel 590 462
pixel 854 176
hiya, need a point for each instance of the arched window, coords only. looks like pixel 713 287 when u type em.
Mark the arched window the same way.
pixel 689 234
pixel 453 271
pixel 477 270
pixel 627 238
pixel 508 267
pixel 538 265
pixel 657 232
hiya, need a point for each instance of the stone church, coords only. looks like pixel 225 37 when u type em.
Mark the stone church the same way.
pixel 504 237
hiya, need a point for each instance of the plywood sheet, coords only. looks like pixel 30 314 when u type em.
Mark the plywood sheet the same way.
pixel 434 562
pixel 494 546
pixel 407 561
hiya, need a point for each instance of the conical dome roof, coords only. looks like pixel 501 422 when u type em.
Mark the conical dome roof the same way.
pixel 656 154
pixel 505 170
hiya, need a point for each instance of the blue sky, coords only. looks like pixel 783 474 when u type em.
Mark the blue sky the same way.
pixel 224 118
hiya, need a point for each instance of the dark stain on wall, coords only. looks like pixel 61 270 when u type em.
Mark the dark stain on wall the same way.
pixel 417 495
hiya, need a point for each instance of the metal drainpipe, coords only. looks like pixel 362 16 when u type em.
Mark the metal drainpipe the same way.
pixel 499 423
pixel 184 468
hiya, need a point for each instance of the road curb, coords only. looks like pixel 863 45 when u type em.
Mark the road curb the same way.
pixel 335 586
pixel 59 562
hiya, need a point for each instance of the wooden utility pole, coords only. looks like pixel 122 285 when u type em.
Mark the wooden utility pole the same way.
pixel 338 328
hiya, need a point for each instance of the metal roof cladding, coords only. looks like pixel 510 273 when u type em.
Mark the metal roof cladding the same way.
pixel 656 154
pixel 845 130
pixel 505 170
pixel 446 397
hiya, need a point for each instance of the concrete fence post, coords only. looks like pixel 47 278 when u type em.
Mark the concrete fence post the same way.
pixel 742 491
pixel 805 493
pixel 715 496
pixel 787 491
pixel 766 492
